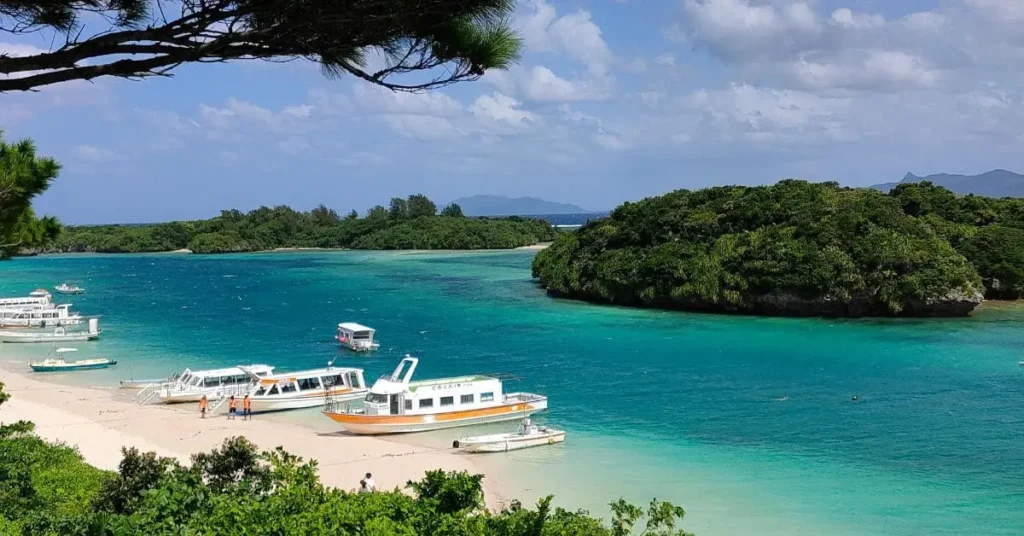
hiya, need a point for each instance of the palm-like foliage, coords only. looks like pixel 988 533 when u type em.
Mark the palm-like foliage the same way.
pixel 23 176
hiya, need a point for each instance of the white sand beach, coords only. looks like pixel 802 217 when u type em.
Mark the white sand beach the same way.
pixel 99 421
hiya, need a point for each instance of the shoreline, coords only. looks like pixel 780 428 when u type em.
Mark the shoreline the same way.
pixel 535 247
pixel 99 421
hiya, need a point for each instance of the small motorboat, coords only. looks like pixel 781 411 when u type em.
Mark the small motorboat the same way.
pixel 528 435
pixel 143 383
pixel 356 337
pixel 68 288
pixel 59 364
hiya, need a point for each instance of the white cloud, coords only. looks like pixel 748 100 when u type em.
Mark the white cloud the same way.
pixel 848 19
pixel 96 155
pixel 501 108
pixel 879 69
pixel 610 141
pixel 745 29
pixel 18 50
pixel 575 34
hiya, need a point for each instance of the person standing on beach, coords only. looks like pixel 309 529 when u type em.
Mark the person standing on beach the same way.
pixel 246 408
pixel 232 407
pixel 203 404
pixel 369 483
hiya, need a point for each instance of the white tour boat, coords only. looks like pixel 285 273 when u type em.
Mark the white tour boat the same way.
pixel 33 316
pixel 305 388
pixel 68 288
pixel 59 364
pixel 528 435
pixel 356 337
pixel 59 334
pixel 396 404
pixel 191 385
pixel 38 298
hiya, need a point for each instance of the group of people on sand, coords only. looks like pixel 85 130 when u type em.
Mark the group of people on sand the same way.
pixel 204 405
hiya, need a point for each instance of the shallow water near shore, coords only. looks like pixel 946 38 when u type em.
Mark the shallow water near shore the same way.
pixel 746 422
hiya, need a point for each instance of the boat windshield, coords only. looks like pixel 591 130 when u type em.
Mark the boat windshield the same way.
pixel 375 398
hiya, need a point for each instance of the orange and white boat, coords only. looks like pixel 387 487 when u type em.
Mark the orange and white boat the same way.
pixel 396 404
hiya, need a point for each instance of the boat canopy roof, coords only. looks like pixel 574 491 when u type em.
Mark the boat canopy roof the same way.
pixel 62 350
pixel 352 326
pixel 292 376
pixel 39 292
pixel 231 371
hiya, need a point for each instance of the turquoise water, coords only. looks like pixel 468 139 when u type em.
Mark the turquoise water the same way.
pixel 747 422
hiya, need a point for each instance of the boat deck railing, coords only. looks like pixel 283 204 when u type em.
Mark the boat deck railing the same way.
pixel 523 397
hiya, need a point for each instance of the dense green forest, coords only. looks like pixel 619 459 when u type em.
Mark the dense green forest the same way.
pixel 411 223
pixel 48 490
pixel 796 248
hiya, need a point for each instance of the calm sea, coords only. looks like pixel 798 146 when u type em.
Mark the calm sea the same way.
pixel 747 422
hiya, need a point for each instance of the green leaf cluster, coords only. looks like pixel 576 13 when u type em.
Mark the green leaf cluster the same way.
pixel 793 248
pixel 24 175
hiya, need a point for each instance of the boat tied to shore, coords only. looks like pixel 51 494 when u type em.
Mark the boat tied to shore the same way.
pixel 528 435
pixel 59 364
pixel 305 388
pixel 356 337
pixel 59 334
pixel 68 288
pixel 215 384
pixel 396 404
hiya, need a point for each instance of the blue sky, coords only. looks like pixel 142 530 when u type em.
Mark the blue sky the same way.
pixel 612 100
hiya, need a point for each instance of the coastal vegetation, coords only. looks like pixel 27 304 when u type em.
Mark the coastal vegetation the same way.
pixel 47 489
pixel 408 223
pixel 23 176
pixel 424 44
pixel 796 248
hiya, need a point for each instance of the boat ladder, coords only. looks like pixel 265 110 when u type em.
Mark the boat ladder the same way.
pixel 147 393
pixel 238 391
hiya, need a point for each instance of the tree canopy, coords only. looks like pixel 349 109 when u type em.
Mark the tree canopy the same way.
pixel 23 176
pixel 793 248
pixel 412 225
pixel 436 42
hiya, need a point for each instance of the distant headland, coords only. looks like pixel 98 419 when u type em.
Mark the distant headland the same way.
pixel 995 183
pixel 796 248
pixel 496 205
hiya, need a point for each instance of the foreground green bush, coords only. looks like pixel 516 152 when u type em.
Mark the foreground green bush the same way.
pixel 794 248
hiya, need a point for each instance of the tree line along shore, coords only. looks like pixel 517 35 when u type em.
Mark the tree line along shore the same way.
pixel 796 248
pixel 409 223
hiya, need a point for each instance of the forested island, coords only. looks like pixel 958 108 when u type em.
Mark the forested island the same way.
pixel 796 248
pixel 410 223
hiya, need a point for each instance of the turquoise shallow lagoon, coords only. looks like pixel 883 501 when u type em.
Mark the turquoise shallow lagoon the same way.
pixel 746 422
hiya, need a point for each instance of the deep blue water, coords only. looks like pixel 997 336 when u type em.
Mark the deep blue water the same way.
pixel 747 422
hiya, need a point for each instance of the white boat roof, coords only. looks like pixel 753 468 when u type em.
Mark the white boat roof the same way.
pixel 230 371
pixel 352 326
pixel 66 350
pixel 274 378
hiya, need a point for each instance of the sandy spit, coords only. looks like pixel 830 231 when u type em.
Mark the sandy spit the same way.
pixel 99 421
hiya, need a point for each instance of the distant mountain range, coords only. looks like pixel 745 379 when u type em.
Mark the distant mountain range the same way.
pixel 995 183
pixel 497 205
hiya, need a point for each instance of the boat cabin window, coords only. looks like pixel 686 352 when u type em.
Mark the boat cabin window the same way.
pixel 486 397
pixel 375 398
pixel 353 380
pixel 262 389
pixel 427 403
pixel 309 384
pixel 272 391
pixel 211 382
pixel 330 381
pixel 408 405
pixel 361 335
pixel 447 401
pixel 466 399
pixel 288 387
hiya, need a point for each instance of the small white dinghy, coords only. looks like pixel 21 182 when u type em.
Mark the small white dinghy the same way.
pixel 528 435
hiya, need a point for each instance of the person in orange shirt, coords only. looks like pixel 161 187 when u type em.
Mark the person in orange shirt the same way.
pixel 246 408
pixel 203 404
pixel 232 407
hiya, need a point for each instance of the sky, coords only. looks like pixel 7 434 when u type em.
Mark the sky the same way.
pixel 612 100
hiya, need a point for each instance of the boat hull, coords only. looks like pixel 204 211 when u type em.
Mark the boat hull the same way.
pixel 362 424
pixel 31 337
pixel 511 442
pixel 140 384
pixel 38 367
pixel 269 404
